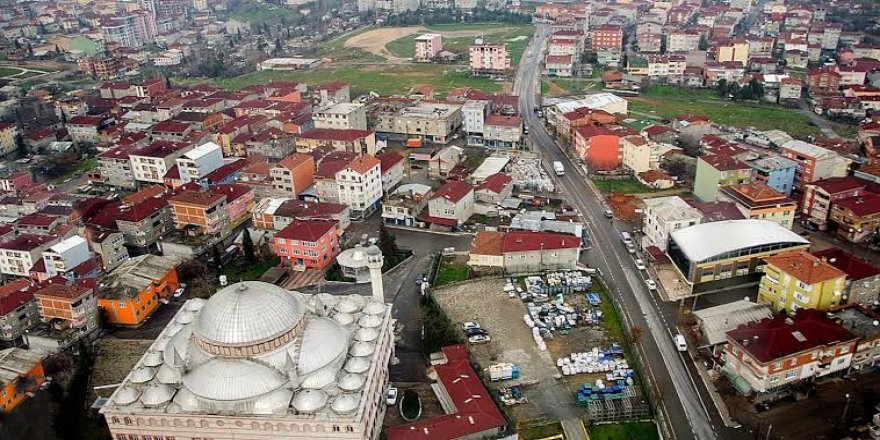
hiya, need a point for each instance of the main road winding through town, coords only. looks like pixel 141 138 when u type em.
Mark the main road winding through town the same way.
pixel 681 402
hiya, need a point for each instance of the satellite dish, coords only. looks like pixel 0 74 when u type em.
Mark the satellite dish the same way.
pixel 223 280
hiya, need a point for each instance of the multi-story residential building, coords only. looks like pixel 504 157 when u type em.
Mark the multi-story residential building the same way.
pixel 109 245
pixel 134 290
pixel 758 201
pixel 429 121
pixel 359 185
pixel 559 65
pixel 275 213
pixel 663 215
pixel 823 81
pixel 790 90
pixel 202 211
pixel 494 189
pixel 862 278
pixel 341 116
pixel 293 174
pixel 114 169
pixel 22 252
pixel 737 50
pixel 730 71
pixel 819 196
pixel 14 182
pixel 350 140
pixel 860 321
pixel 198 162
pixel 84 129
pixel 776 172
pixel 71 306
pixel 101 68
pixel 150 164
pixel 9 134
pixel 428 46
pixel 716 171
pixel 500 131
pixel 64 256
pixel 474 112
pixel 682 41
pixel 800 280
pixel 392 166
pixel 451 205
pixel 814 162
pixel 857 219
pixel 18 311
pixel 308 244
pixel 640 154
pixel 598 146
pixel 777 352
pixel 649 42
pixel 21 375
pixel 488 58
pixel 405 204
pixel 333 91
pixel 607 37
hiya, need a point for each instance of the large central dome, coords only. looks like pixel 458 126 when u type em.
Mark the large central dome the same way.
pixel 247 314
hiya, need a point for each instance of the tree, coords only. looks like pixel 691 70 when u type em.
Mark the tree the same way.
pixel 57 49
pixel 167 81
pixel 20 145
pixel 217 257
pixel 278 47
pixel 703 44
pixel 387 242
pixel 63 118
pixel 248 244
pixel 722 88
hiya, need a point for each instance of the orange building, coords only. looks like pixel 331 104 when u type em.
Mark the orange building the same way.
pixel 21 372
pixel 293 174
pixel 202 210
pixel 132 292
pixel 65 305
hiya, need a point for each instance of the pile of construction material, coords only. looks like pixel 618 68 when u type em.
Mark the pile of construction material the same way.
pixel 600 391
pixel 511 396
pixel 529 175
pixel 540 288
pixel 609 360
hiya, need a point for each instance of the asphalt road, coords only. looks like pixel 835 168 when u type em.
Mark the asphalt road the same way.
pixel 681 401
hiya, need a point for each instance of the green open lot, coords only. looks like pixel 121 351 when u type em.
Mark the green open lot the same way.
pixel 80 168
pixel 248 270
pixel 516 37
pixel 627 186
pixel 625 431
pixel 9 71
pixel 379 78
pixel 669 102
pixel 451 272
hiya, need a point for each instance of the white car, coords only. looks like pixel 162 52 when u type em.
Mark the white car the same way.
pixel 680 342
pixel 479 339
pixel 391 398
pixel 640 265
pixel 469 325
pixel 651 284
pixel 179 292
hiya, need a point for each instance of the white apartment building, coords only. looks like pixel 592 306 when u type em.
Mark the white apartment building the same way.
pixel 640 154
pixel 341 116
pixel 359 185
pixel 428 46
pixel 681 41
pixel 473 120
pixel 663 215
pixel 199 162
pixel 430 121
pixel 18 255
pixel 151 163
pixel 66 255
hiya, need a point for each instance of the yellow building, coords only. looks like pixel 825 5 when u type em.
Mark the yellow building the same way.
pixel 800 280
pixel 734 51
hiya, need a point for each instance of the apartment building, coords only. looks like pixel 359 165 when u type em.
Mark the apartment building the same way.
pixel 857 219
pixel 640 154
pixel 501 131
pixel 150 164
pixel 201 211
pixel 663 215
pixel 428 46
pixel 114 169
pixel 451 205
pixel 682 41
pixel 350 140
pixel 783 350
pixel 21 253
pixel 393 166
pixel 69 306
pixel 341 116
pixel 819 196
pixel 488 58
pixel 198 162
pixel 428 121
pixel 64 256
pixel 733 51
pixel 800 280
pixel 814 162
pixel 18 310
pixel 494 189
pixel 109 245
pixel 359 185
pixel 758 201
pixel 134 290
pixel 607 37
pixel 715 171
pixel 293 174
pixel 84 129
pixel 9 134
pixel 776 172
pixel 308 244
pixel 862 278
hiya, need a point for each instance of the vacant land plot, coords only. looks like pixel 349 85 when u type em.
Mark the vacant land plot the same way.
pixel 452 270
pixel 6 72
pixel 380 78
pixel 398 43
pixel 669 102
pixel 625 431
pixel 626 186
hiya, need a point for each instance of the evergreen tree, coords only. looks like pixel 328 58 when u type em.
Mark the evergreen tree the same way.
pixel 218 259
pixel 704 43
pixel 248 245
pixel 20 145
pixel 278 47
pixel 167 81
pixel 63 118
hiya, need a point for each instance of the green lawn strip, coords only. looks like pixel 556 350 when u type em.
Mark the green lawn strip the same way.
pixel 539 428
pixel 611 321
pixel 451 272
pixel 9 71
pixel 624 431
pixel 81 167
pixel 403 47
pixel 628 186
pixel 249 271
pixel 452 27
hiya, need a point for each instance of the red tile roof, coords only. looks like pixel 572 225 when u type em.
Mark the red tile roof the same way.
pixel 724 163
pixel 836 185
pixel 855 267
pixel 655 130
pixel 805 267
pixel 526 241
pixel 476 411
pixel 36 220
pixel 173 127
pixel 507 121
pixel 452 190
pixel 309 210
pixel 86 120
pixel 329 134
pixel 159 149
pixel 307 230
pixel 775 338
pixel 26 242
pixel 495 183
pixel 388 160
pixel 232 191
pixel 13 294
pixel 863 205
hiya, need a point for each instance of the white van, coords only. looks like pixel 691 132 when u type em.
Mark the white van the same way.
pixel 627 239
pixel 680 343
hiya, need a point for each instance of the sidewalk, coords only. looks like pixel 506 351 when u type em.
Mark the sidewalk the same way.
pixel 427 231
pixel 716 398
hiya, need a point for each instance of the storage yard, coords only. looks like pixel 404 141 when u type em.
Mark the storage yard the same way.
pixel 551 354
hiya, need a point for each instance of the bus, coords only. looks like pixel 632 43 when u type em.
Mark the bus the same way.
pixel 558 168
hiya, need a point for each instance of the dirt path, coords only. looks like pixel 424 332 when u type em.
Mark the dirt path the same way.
pixel 374 41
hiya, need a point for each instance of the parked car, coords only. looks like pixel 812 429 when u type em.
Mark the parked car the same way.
pixel 476 331
pixel 651 284
pixel 609 213
pixel 680 342
pixel 179 292
pixel 640 265
pixel 470 325
pixel 479 339
pixel 391 397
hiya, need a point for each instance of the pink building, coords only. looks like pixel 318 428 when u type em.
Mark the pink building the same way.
pixel 488 58
pixel 308 244
pixel 239 201
pixel 428 46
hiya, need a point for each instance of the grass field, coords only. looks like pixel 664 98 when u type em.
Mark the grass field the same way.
pixel 669 102
pixel 248 271
pixel 451 272
pixel 628 186
pixel 382 79
pixel 625 431
pixel 9 71
pixel 80 168
pixel 404 47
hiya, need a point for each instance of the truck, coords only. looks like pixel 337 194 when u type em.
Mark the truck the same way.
pixel 558 168
pixel 503 372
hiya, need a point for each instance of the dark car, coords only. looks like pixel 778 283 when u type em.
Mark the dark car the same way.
pixel 475 331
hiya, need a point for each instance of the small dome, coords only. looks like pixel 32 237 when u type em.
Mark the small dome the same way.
pixel 375 308
pixel 326 299
pixel 176 350
pixel 194 305
pixel 173 408
pixel 309 401
pixel 126 395
pixel 186 400
pixel 323 341
pixel 152 359
pixel 319 379
pixel 275 402
pixel 157 394
pixel 357 365
pixel 161 344
pixel 358 255
pixel 361 349
pixel 345 404
pixel 347 306
pixel 374 250
pixel 168 375
pixel 173 329
pixel 232 379
pixel 250 312
pixel 185 317
pixel 351 382
pixel 343 318
pixel 366 335
pixel 143 374
pixel 358 300
pixel 370 321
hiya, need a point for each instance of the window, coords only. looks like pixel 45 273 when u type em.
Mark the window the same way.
pixel 791 374
pixel 774 378
pixel 844 349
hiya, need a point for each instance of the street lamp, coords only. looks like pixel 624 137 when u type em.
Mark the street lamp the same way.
pixel 846 408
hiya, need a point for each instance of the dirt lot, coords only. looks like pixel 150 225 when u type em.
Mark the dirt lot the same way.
pixel 374 41
pixel 430 405
pixel 486 303
pixel 114 359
